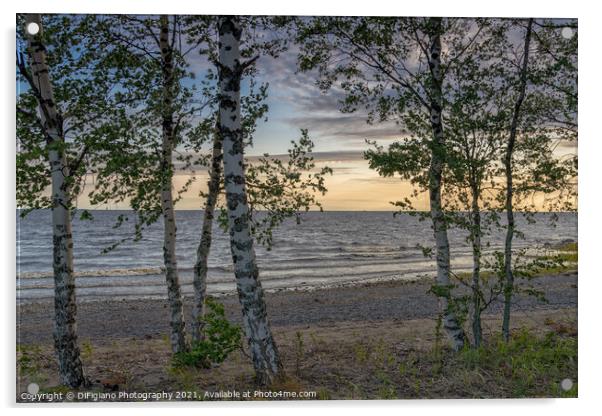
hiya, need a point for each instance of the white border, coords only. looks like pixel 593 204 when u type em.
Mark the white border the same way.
pixel 589 188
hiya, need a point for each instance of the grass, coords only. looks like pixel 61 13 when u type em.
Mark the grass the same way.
pixel 569 247
pixel 532 364
pixel 486 275
pixel 299 352
pixel 31 360
pixel 568 257
pixel 87 350
pixel 185 379
pixel 527 366
pixel 27 359
pixel 360 360
pixel 567 253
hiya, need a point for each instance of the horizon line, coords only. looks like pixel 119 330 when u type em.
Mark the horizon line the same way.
pixel 316 211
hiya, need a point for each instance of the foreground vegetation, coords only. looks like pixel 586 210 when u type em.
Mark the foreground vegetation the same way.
pixel 361 360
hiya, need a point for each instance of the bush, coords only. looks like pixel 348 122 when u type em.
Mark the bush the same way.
pixel 220 338
pixel 528 365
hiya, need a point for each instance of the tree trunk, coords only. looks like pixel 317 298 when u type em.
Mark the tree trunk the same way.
pixel 509 284
pixel 477 331
pixel 202 254
pixel 264 352
pixel 450 322
pixel 178 332
pixel 65 308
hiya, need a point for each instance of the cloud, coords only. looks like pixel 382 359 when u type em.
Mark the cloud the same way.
pixel 346 126
pixel 321 158
pixel 297 101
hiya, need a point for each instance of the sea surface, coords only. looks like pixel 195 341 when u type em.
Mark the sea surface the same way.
pixel 328 248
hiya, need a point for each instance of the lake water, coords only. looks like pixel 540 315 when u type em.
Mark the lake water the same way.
pixel 324 249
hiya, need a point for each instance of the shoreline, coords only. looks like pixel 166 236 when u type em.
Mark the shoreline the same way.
pixel 386 299
pixel 419 277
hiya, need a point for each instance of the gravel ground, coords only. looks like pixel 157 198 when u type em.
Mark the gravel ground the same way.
pixel 107 320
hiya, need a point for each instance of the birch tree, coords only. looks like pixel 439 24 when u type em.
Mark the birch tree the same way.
pixel 65 309
pixel 475 139
pixel 278 188
pixel 395 69
pixel 254 108
pixel 202 255
pixel 450 323
pixel 264 352
pixel 479 104
pixel 165 118
pixel 58 147
pixel 178 333
pixel 543 114
pixel 509 182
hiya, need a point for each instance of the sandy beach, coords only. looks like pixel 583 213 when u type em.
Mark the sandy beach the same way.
pixel 106 320
pixel 368 341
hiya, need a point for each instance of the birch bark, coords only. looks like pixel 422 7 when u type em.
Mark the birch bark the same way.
pixel 264 352
pixel 178 333
pixel 65 308
pixel 200 267
pixel 509 284
pixel 450 322
pixel 477 330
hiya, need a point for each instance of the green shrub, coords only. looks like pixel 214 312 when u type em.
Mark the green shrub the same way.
pixel 528 364
pixel 220 338
pixel 28 359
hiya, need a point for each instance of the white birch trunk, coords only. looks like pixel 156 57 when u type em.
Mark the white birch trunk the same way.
pixel 200 267
pixel 178 333
pixel 65 309
pixel 263 349
pixel 509 284
pixel 450 322
pixel 477 330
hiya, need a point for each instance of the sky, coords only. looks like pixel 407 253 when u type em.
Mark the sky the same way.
pixel 295 102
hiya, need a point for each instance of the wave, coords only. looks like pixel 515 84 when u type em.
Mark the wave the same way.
pixel 285 267
pixel 140 271
pixel 290 277
pixel 274 266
